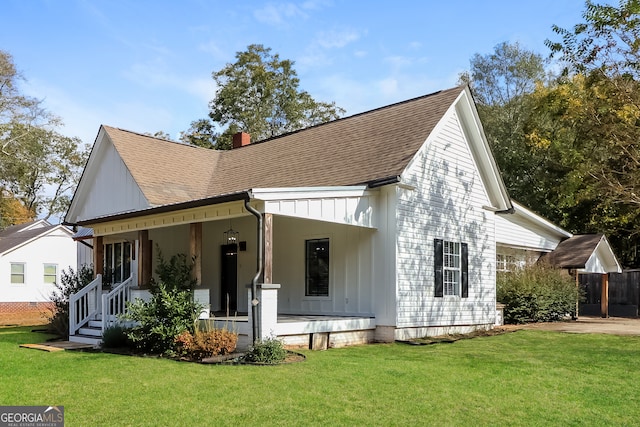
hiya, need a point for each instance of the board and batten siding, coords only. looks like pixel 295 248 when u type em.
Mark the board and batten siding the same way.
pixel 350 267
pixel 443 199
pixel 112 189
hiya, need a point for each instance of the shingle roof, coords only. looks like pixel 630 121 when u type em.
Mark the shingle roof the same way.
pixel 355 150
pixel 17 235
pixel 574 252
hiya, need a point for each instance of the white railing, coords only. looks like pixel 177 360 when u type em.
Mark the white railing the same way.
pixel 115 303
pixel 85 305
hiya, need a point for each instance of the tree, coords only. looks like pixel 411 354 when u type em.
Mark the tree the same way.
pixel 38 165
pixel 607 42
pixel 258 94
pixel 595 112
pixel 500 83
pixel 13 211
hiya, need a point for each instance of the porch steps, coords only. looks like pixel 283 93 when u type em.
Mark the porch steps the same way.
pixel 89 334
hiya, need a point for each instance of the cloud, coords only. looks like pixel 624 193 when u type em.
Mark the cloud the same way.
pixel 336 38
pixel 214 50
pixel 277 14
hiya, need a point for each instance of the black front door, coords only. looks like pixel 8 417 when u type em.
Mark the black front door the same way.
pixel 229 277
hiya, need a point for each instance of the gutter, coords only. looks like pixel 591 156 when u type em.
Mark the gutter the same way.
pixel 255 325
pixel 232 197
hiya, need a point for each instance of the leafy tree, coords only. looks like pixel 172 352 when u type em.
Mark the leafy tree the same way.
pixel 501 83
pixel 258 94
pixel 13 211
pixel 592 128
pixel 38 165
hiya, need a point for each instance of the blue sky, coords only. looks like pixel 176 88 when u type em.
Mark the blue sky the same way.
pixel 146 65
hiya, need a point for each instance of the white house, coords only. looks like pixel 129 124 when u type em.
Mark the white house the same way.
pixel 32 256
pixel 378 226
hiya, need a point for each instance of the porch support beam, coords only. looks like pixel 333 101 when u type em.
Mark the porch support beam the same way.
pixel 195 250
pixel 268 248
pixel 604 297
pixel 98 256
pixel 146 258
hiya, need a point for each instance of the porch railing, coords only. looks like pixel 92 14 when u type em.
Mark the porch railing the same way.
pixel 85 305
pixel 115 303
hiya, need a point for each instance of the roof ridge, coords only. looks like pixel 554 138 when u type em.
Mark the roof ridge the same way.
pixel 362 113
pixel 156 138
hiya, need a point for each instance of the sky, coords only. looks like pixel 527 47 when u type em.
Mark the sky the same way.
pixel 146 65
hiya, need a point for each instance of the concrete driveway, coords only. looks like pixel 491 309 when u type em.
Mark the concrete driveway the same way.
pixel 591 325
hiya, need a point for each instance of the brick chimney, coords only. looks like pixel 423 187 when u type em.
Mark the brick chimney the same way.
pixel 241 139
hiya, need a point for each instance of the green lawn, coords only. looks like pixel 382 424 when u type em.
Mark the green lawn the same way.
pixel 521 378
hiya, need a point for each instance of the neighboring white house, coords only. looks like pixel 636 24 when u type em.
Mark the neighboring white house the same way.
pixel 32 256
pixel 378 226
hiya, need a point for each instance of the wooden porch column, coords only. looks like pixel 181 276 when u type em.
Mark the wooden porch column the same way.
pixel 98 256
pixel 195 250
pixel 268 248
pixel 145 259
pixel 604 296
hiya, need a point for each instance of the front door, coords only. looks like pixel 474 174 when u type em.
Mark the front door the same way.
pixel 229 277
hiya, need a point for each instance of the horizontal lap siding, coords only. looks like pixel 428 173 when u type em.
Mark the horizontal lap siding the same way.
pixel 509 232
pixel 446 204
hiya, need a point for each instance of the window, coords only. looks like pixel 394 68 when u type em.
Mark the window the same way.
pixel 317 268
pixel 451 268
pixel 17 273
pixel 50 273
pixel 506 263
pixel 117 262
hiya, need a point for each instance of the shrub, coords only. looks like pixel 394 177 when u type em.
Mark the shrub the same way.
pixel 70 282
pixel 167 314
pixel 202 344
pixel 115 337
pixel 269 351
pixel 536 294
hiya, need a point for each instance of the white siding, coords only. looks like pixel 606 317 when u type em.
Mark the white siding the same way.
pixel 515 231
pixel 447 203
pixel 56 247
pixel 112 189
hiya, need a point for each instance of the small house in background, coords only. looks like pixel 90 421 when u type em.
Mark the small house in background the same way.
pixel 32 257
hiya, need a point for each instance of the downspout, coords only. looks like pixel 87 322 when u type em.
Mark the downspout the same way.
pixel 254 283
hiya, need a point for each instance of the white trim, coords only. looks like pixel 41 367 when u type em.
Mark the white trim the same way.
pixel 537 219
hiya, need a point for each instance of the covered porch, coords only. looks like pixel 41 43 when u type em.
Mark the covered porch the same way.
pixel 225 239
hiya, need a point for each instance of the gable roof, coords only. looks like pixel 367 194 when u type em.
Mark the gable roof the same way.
pixel 16 236
pixel 580 251
pixel 369 148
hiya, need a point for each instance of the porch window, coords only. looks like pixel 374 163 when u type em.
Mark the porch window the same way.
pixel 317 268
pixel 117 262
pixel 17 273
pixel 451 268
pixel 50 273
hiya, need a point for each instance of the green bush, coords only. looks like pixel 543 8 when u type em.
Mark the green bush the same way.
pixel 536 293
pixel 70 282
pixel 115 337
pixel 167 314
pixel 268 351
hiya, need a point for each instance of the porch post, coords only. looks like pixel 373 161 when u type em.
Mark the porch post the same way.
pixel 604 296
pixel 98 256
pixel 145 260
pixel 268 248
pixel 195 250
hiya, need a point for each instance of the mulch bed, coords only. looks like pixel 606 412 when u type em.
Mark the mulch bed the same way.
pixel 447 339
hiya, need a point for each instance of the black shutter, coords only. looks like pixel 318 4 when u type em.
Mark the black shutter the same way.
pixel 438 267
pixel 464 268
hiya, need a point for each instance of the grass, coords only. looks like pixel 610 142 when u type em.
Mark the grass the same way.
pixel 520 378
